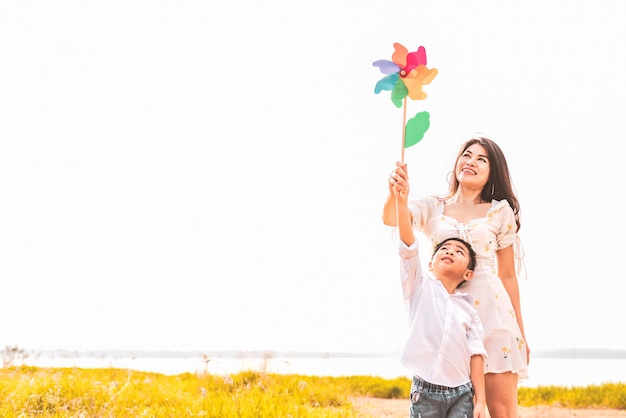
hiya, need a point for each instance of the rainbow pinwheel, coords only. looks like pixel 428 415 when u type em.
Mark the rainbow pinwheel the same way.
pixel 406 74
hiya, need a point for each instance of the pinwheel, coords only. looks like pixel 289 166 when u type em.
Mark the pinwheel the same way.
pixel 406 73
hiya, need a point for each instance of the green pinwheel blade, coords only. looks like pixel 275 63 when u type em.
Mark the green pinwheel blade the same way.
pixel 415 129
pixel 399 92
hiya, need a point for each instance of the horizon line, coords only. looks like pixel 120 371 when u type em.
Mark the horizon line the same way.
pixel 597 353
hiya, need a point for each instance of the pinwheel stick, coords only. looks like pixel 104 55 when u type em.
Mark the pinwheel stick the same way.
pixel 401 156
pixel 403 131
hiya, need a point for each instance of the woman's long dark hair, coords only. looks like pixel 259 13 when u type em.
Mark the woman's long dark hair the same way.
pixel 499 185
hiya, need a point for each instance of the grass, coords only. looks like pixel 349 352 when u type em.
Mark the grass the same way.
pixel 608 395
pixel 107 392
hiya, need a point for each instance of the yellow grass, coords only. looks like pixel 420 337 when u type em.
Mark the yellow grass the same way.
pixel 74 392
pixel 608 395
pixel 108 392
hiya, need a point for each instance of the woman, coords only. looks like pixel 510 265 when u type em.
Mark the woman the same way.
pixel 481 208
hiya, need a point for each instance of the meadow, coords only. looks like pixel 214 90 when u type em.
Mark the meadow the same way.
pixel 110 392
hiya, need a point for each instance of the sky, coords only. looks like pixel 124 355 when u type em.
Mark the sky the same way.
pixel 210 175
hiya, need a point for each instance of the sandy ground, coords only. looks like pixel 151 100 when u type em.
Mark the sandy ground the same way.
pixel 399 408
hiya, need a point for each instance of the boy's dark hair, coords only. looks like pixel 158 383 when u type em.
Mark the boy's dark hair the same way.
pixel 472 254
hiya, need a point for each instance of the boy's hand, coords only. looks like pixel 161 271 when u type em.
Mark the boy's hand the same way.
pixel 399 182
pixel 479 410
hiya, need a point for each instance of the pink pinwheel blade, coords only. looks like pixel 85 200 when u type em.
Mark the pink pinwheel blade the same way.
pixel 414 59
pixel 386 66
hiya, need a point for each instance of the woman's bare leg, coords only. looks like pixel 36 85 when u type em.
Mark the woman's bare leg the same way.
pixel 501 393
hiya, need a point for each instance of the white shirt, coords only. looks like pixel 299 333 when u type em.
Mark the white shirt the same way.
pixel 444 329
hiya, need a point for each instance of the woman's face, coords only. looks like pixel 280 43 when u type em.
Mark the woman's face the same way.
pixel 472 167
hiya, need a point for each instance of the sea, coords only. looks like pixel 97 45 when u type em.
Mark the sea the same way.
pixel 550 368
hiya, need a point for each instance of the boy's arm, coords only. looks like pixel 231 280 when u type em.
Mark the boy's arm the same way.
pixel 400 193
pixel 411 269
pixel 477 375
pixel 475 335
pixel 410 266
pixel 404 226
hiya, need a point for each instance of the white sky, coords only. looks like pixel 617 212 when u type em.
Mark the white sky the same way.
pixel 205 175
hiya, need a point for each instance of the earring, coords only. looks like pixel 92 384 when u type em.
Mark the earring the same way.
pixel 493 188
pixel 449 177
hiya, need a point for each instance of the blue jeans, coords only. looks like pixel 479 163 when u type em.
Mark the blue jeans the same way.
pixel 434 401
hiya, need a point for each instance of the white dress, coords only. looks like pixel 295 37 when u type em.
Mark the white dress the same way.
pixel 506 349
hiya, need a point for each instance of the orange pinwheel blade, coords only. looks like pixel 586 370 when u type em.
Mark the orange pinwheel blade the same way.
pixel 399 55
pixel 426 74
pixel 414 87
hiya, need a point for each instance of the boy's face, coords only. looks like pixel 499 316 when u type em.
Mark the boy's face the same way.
pixel 452 257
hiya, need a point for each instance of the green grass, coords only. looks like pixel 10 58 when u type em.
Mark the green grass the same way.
pixel 108 392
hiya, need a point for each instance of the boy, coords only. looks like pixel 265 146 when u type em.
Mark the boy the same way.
pixel 444 349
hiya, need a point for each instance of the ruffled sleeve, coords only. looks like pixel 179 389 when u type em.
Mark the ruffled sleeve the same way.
pixel 423 210
pixel 507 234
pixel 520 265
pixel 411 274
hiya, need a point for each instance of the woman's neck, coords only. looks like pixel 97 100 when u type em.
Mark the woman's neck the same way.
pixel 467 197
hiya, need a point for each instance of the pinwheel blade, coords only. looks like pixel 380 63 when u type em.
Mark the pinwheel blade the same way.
pixel 414 87
pixel 413 59
pixel 386 83
pixel 399 55
pixel 421 56
pixel 416 79
pixel 399 92
pixel 426 74
pixel 386 66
